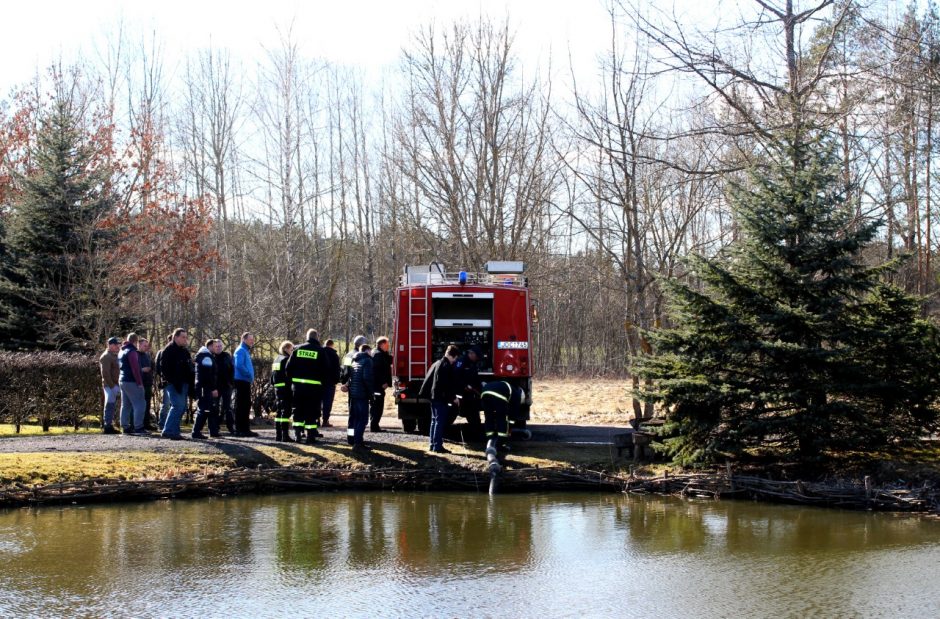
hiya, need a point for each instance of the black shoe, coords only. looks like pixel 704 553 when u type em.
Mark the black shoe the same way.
pixel 231 430
pixel 143 432
pixel 172 437
pixel 439 450
pixel 109 430
pixel 311 439
pixel 376 429
pixel 199 436
pixel 216 435
pixel 326 424
pixel 359 447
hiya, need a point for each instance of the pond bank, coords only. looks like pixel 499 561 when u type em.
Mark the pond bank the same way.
pixel 97 468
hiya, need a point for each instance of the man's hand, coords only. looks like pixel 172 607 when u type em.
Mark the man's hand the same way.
pixel 344 389
pixel 385 386
pixel 215 393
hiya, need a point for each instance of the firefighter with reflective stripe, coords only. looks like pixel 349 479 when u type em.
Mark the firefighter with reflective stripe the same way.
pixel 361 392
pixel 498 399
pixel 282 393
pixel 307 371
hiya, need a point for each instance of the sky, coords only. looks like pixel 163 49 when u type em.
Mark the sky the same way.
pixel 366 33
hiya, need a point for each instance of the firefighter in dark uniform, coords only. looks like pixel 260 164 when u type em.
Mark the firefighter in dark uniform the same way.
pixel 282 393
pixel 207 390
pixel 498 399
pixel 307 371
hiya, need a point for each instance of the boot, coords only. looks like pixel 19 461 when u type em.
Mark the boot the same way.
pixel 311 436
pixel 285 432
pixel 298 434
pixel 279 432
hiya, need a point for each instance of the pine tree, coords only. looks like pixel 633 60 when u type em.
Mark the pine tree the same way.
pixel 788 343
pixel 53 240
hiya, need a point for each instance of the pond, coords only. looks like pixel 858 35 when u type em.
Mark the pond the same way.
pixel 458 555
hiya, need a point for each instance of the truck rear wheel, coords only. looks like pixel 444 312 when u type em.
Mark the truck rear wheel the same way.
pixel 409 425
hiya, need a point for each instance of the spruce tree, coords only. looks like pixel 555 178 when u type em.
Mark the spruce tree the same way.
pixel 52 239
pixel 787 343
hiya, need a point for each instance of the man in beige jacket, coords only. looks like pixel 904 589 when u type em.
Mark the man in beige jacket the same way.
pixel 110 377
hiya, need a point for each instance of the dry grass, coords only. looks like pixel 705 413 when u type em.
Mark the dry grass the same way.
pixel 46 468
pixel 582 401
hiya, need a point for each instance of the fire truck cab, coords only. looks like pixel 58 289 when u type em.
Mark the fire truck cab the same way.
pixel 435 308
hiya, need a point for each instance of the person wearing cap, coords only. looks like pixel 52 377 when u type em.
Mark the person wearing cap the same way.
pixel 307 370
pixel 382 370
pixel 345 370
pixel 361 390
pixel 110 378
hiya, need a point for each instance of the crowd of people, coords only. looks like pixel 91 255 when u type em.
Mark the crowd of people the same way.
pixel 304 378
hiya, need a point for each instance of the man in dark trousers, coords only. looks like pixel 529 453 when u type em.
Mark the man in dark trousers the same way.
pixel 361 389
pixel 382 370
pixel 307 370
pixel 207 390
pixel 332 378
pixel 226 369
pixel 244 377
pixel 468 376
pixel 282 393
pixel 441 387
pixel 176 368
pixel 132 387
pixel 498 399
pixel 146 370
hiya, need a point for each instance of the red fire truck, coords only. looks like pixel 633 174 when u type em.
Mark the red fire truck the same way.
pixel 435 308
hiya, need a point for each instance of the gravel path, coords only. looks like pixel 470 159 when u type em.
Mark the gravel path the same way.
pixel 232 446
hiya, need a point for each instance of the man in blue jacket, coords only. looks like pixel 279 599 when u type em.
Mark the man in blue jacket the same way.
pixel 244 377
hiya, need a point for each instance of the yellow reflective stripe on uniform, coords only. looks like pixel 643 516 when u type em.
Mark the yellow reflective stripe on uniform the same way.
pixel 276 366
pixel 298 424
pixel 495 395
pixel 311 426
pixel 504 434
pixel 307 381
pixel 280 384
pixel 281 419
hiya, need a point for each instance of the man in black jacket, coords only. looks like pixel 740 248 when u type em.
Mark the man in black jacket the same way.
pixel 307 371
pixel 361 390
pixel 441 387
pixel 382 374
pixel 226 370
pixel 332 378
pixel 176 368
pixel 207 391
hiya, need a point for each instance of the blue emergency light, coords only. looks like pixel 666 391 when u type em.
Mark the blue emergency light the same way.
pixel 462 278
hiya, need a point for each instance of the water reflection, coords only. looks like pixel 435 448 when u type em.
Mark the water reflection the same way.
pixel 446 554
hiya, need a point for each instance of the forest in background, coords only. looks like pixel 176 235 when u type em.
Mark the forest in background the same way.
pixel 225 197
